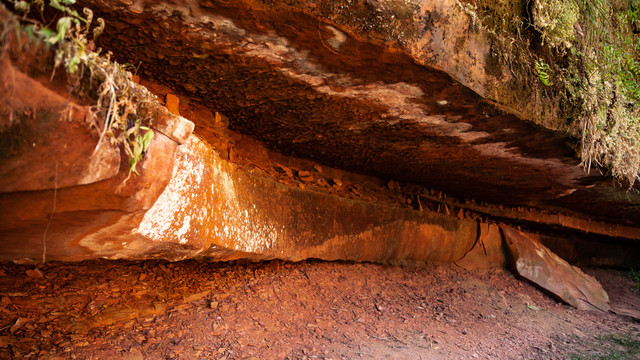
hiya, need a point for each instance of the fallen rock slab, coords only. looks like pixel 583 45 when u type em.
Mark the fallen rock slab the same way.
pixel 540 265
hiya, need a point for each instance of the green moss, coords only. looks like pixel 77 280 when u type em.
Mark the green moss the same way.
pixel 556 20
pixel 582 55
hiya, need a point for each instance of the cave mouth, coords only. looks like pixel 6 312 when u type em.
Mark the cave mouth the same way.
pixel 309 143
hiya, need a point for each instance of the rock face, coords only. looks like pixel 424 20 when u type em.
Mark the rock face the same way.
pixel 35 118
pixel 62 190
pixel 226 212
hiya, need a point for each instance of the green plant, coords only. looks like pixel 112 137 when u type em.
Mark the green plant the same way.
pixel 621 347
pixel 542 70
pixel 120 109
pixel 635 277
pixel 591 70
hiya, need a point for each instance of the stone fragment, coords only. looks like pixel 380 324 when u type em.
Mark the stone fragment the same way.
pixel 538 264
pixel 173 104
pixel 35 273
pixel 284 169
pixel 18 324
pixel 337 181
pixel 317 168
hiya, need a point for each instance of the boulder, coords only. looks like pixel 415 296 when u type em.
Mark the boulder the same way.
pixel 538 264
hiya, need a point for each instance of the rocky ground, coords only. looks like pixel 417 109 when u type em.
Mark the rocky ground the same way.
pixel 307 310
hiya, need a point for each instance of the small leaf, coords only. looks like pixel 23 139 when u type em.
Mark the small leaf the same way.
pixel 147 140
pixel 62 27
pixel 56 5
pixel 73 64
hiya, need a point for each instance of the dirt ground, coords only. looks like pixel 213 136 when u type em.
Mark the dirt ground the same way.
pixel 307 310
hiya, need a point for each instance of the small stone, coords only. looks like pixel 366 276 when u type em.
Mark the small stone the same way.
pixel 142 277
pixel 35 273
pixel 303 173
pixel 443 102
pixel 173 104
pixel 213 304
pixel 134 354
pixel 18 324
pixel 337 182
pixel 140 338
pixel 284 169
pixel 301 186
pixel 317 168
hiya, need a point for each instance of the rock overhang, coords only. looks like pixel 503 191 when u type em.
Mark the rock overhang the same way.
pixel 308 88
pixel 389 118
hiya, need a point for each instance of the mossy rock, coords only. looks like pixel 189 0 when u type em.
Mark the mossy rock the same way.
pixel 556 19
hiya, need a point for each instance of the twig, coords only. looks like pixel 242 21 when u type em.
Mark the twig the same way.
pixel 46 229
pixel 381 338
